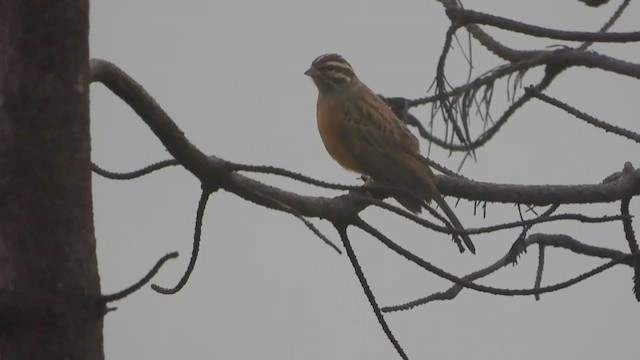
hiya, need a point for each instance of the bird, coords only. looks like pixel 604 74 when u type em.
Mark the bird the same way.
pixel 362 134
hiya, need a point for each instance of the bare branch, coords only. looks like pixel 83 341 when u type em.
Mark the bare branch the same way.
pixel 539 271
pixel 373 201
pixel 633 245
pixel 307 223
pixel 482 288
pixel 594 3
pixel 342 230
pixel 463 17
pixel 539 220
pixel 487 41
pixel 202 204
pixel 612 20
pixel 559 241
pixel 142 282
pixel 555 60
pixel 631 135
pixel 272 170
pixel 133 174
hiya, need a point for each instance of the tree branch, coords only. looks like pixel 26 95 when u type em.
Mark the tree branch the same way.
pixel 547 240
pixel 342 230
pixel 463 17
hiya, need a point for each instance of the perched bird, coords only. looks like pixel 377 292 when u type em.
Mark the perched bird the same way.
pixel 362 134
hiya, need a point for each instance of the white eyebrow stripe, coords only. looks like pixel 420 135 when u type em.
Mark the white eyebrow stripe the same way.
pixel 339 64
pixel 339 75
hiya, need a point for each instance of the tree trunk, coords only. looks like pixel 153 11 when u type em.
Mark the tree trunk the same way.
pixel 49 279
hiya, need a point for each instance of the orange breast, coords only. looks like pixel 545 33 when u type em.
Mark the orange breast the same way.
pixel 331 132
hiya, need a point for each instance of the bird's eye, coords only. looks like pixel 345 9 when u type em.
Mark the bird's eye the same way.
pixel 336 72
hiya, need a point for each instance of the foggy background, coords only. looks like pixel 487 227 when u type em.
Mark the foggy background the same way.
pixel 230 73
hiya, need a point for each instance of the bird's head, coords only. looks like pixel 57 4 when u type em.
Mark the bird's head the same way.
pixel 331 72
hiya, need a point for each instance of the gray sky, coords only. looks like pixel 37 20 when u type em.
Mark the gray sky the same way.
pixel 230 73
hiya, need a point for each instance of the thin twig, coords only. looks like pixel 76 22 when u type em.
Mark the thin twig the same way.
pixel 202 204
pixel 633 244
pixel 306 222
pixel 558 241
pixel 612 20
pixel 142 282
pixel 539 271
pixel 631 135
pixel 133 174
pixel 482 288
pixel 342 230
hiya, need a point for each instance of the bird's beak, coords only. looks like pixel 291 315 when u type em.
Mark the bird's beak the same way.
pixel 312 72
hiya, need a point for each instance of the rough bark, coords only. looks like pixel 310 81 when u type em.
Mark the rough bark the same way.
pixel 48 268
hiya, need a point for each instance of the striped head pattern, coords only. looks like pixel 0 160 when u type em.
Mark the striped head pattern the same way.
pixel 331 72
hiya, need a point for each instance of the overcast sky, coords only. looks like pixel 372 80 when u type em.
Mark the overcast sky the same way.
pixel 230 73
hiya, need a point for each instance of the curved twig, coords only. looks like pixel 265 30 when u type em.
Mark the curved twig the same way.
pixel 133 174
pixel 142 282
pixel 202 204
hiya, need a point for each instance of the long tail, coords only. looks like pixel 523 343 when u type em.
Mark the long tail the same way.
pixel 454 220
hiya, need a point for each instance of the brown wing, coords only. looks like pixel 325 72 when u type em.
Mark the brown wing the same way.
pixel 388 152
pixel 380 116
